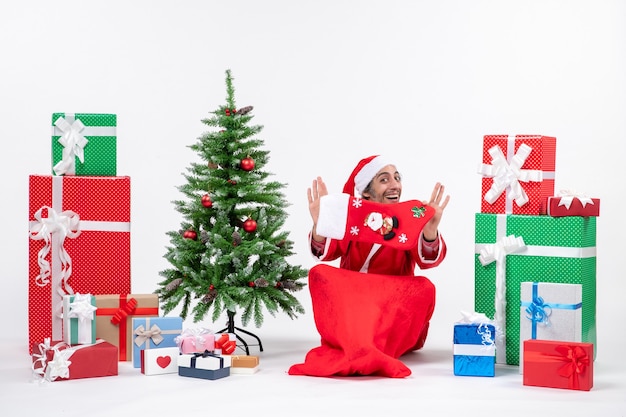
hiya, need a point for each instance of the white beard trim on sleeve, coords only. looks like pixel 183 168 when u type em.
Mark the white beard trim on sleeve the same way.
pixel 333 217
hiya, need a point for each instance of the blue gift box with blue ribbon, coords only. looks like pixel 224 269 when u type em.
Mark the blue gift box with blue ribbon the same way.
pixel 474 349
pixel 550 311
pixel 205 365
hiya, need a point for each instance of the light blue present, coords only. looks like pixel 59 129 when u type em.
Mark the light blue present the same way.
pixel 154 332
pixel 474 349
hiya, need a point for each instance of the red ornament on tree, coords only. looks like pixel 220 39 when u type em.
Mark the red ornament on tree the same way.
pixel 206 201
pixel 190 234
pixel 249 225
pixel 247 164
pixel 251 284
pixel 232 182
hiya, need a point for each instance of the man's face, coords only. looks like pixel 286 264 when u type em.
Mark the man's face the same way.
pixel 386 186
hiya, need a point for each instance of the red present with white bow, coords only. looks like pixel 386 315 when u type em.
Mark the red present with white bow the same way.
pixel 58 361
pixel 572 203
pixel 518 173
pixel 195 340
pixel 79 243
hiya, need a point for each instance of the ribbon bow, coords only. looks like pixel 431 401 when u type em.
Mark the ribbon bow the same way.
pixel 538 311
pixel 497 252
pixel 123 312
pixel 81 308
pixel 567 196
pixel 226 343
pixel 65 224
pixel 507 176
pixel 576 361
pixel 73 143
pixel 58 367
pixel 142 335
pixel 483 330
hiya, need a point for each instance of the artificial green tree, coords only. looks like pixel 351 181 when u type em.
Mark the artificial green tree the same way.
pixel 231 254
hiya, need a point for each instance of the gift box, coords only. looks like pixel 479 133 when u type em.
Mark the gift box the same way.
pixel 550 311
pixel 474 349
pixel 57 361
pixel 79 243
pixel 511 249
pixel 114 317
pixel 159 361
pixel 568 204
pixel 225 343
pixel 84 144
pixel 243 364
pixel 154 332
pixel 558 364
pixel 79 319
pixel 195 341
pixel 518 173
pixel 205 365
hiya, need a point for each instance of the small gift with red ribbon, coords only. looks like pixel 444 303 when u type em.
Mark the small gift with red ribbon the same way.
pixel 225 344
pixel 573 203
pixel 159 361
pixel 114 316
pixel 518 173
pixel 205 365
pixel 79 242
pixel 558 364
pixel 58 361
pixel 79 319
pixel 195 340
pixel 154 332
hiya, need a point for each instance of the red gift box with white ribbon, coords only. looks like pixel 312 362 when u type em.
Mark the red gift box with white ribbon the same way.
pixel 518 173
pixel 572 203
pixel 79 243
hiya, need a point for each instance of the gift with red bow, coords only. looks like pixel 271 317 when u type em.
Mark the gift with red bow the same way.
pixel 226 343
pixel 558 364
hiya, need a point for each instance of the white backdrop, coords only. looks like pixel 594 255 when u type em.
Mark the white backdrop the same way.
pixel 331 82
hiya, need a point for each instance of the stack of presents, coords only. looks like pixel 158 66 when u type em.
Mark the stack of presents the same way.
pixel 535 271
pixel 82 316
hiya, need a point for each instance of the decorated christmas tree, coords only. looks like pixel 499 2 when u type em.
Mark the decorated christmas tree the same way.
pixel 230 254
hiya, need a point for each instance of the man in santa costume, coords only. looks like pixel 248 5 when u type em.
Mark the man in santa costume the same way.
pixel 373 308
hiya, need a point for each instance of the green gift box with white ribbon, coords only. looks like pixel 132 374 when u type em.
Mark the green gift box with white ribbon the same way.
pixel 84 144
pixel 511 249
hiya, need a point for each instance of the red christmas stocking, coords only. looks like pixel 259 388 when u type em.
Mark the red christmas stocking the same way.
pixel 343 216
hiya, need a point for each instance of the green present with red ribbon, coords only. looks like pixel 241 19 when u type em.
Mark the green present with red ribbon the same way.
pixel 511 249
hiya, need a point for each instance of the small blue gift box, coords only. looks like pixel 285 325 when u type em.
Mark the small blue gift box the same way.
pixel 474 349
pixel 154 332
pixel 205 365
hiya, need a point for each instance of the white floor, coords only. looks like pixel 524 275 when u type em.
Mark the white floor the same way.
pixel 432 390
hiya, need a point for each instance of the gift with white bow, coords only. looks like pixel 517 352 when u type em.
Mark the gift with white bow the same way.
pixel 474 344
pixel 518 173
pixel 57 360
pixel 84 144
pixel 79 242
pixel 573 203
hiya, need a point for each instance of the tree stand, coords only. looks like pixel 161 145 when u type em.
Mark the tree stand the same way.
pixel 230 328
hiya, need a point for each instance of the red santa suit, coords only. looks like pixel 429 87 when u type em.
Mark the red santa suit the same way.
pixel 373 308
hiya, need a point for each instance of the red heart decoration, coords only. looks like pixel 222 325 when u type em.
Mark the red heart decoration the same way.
pixel 163 361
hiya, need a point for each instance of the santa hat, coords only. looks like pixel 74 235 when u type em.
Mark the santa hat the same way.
pixel 364 173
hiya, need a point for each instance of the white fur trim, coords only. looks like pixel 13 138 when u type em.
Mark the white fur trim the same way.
pixel 333 216
pixel 367 173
